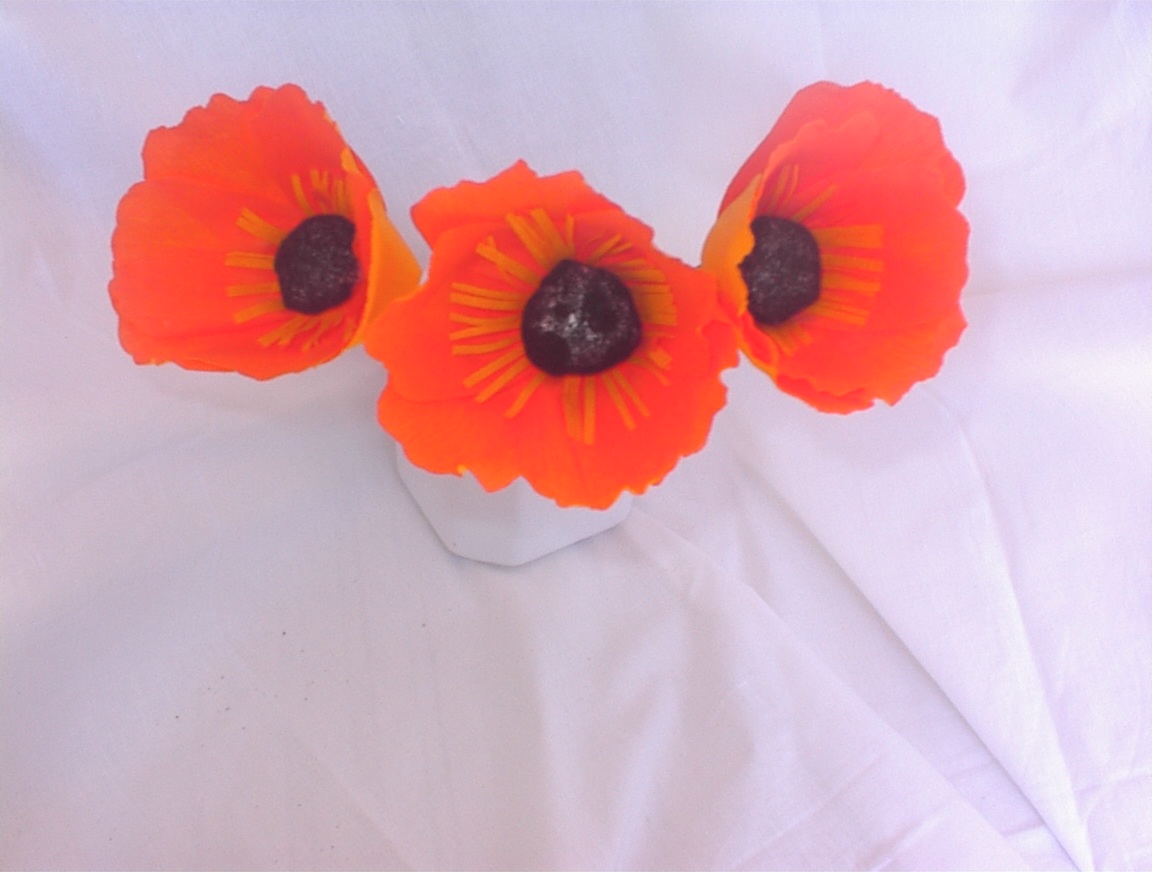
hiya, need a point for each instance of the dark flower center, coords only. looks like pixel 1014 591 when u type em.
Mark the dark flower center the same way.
pixel 782 271
pixel 580 320
pixel 315 264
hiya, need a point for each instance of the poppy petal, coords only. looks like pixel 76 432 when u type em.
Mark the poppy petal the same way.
pixel 462 393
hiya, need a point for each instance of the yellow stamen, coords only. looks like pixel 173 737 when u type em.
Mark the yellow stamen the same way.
pixel 497 383
pixel 660 357
pixel 570 232
pixel 654 302
pixel 525 394
pixel 301 196
pixel 561 246
pixel 850 236
pixel 249 259
pixel 606 248
pixel 252 223
pixel 506 264
pixel 589 430
pixel 485 303
pixel 637 270
pixel 340 198
pixel 847 283
pixel 461 318
pixel 264 308
pixel 790 337
pixel 651 367
pixel 615 375
pixel 657 311
pixel 485 347
pixel 785 186
pixel 838 310
pixel 493 366
pixel 618 401
pixel 571 399
pixel 541 237
pixel 843 261
pixel 322 325
pixel 284 333
pixel 319 183
pixel 818 201
pixel 481 326
pixel 527 234
pixel 264 288
pixel 491 293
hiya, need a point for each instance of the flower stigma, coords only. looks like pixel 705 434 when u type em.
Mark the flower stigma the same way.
pixel 580 320
pixel 782 271
pixel 315 264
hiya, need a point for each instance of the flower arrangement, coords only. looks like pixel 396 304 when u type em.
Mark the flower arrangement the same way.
pixel 550 340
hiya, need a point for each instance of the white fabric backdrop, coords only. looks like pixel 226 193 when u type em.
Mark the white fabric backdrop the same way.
pixel 914 637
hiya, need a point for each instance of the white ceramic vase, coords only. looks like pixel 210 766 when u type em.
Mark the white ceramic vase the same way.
pixel 509 527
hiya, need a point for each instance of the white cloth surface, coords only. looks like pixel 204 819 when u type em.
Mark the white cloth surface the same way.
pixel 912 637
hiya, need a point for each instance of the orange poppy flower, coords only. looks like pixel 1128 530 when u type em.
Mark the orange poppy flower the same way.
pixel 839 251
pixel 257 242
pixel 552 341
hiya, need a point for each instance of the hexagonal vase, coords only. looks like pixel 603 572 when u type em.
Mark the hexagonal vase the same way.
pixel 509 527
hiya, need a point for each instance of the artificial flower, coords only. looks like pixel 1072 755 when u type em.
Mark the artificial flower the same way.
pixel 551 341
pixel 839 250
pixel 257 241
